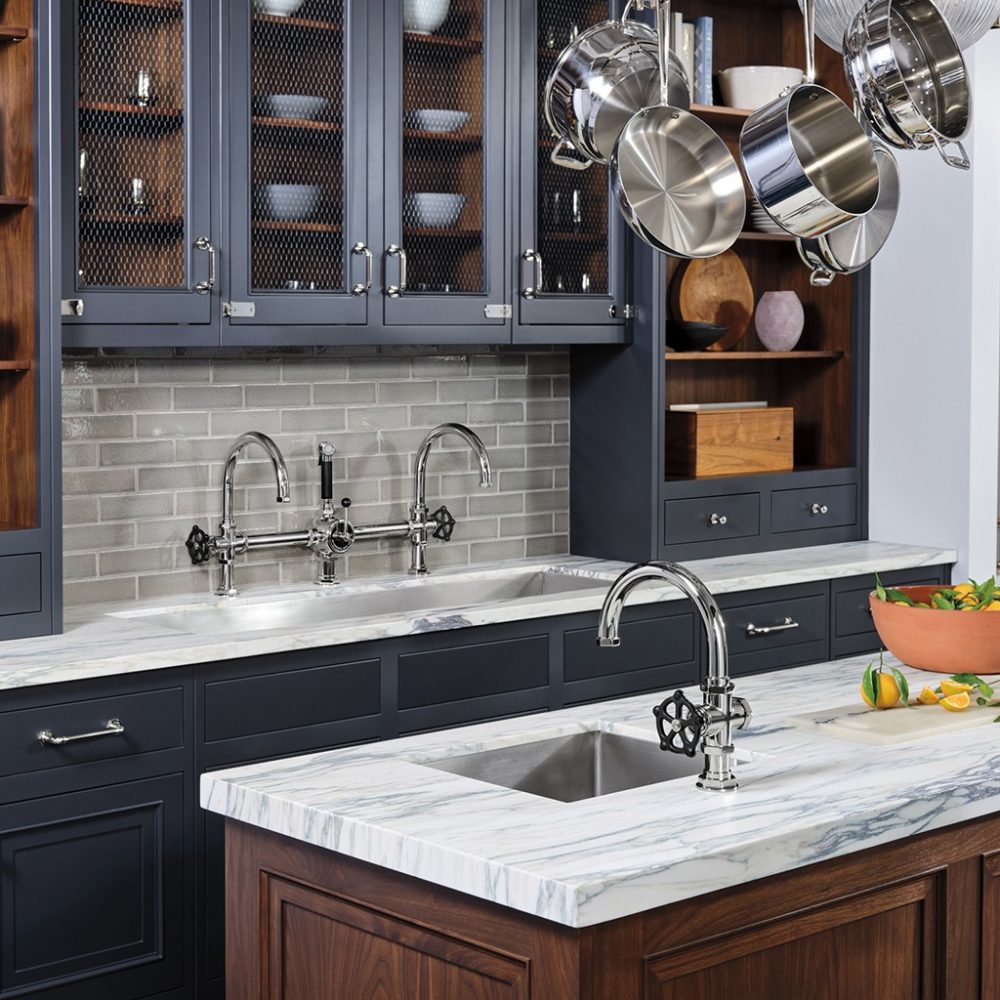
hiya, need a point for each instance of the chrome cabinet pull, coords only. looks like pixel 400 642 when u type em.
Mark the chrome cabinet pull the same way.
pixel 394 291
pixel 113 728
pixel 718 519
pixel 785 626
pixel 203 243
pixel 819 508
pixel 357 250
pixel 533 256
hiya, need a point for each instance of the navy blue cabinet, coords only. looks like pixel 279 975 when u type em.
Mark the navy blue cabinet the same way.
pixel 335 176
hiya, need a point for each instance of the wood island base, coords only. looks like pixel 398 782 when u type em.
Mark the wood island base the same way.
pixel 915 920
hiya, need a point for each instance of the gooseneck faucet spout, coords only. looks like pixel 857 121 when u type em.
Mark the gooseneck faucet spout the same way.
pixel 682 725
pixel 419 516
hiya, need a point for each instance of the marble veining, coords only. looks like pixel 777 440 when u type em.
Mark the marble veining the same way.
pixel 108 641
pixel 803 798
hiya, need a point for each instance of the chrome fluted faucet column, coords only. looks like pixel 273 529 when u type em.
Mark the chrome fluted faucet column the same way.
pixel 230 542
pixel 682 725
pixel 419 516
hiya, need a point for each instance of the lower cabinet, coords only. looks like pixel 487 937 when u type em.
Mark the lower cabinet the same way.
pixel 93 892
pixel 112 878
pixel 920 924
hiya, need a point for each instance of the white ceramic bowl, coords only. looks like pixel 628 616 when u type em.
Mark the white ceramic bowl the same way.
pixel 436 120
pixel 278 8
pixel 431 209
pixel 751 87
pixel 303 106
pixel 288 202
pixel 423 17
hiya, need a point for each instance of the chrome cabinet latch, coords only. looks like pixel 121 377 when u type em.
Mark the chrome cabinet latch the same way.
pixel 502 311
pixel 71 307
pixel 239 310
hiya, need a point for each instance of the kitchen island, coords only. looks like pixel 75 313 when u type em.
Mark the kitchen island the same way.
pixel 373 868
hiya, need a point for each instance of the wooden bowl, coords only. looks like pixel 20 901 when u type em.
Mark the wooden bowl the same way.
pixel 946 642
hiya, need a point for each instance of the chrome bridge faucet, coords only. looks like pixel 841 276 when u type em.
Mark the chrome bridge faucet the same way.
pixel 682 725
pixel 330 535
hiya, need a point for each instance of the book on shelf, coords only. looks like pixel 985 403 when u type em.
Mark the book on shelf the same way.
pixel 701 85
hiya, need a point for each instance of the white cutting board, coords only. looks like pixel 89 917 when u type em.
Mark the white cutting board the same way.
pixel 896 725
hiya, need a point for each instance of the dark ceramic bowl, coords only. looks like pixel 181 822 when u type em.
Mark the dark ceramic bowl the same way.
pixel 694 336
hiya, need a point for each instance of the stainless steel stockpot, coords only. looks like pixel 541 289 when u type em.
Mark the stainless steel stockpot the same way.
pixel 599 81
pixel 909 76
pixel 855 244
pixel 808 159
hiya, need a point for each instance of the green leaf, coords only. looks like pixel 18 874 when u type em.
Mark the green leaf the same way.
pixel 982 702
pixel 997 719
pixel 941 603
pixel 879 589
pixel 869 685
pixel 898 595
pixel 904 684
pixel 976 681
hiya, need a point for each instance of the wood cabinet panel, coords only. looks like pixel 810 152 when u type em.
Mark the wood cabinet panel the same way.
pixel 881 943
pixel 321 946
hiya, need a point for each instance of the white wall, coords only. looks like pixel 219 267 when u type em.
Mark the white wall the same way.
pixel 935 382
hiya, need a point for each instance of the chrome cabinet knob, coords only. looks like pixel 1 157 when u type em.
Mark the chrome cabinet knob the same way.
pixel 718 520
pixel 819 508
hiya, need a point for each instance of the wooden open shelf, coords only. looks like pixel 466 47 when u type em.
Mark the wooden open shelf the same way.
pixel 719 112
pixel 129 116
pixel 171 8
pixel 280 226
pixel 443 44
pixel 753 236
pixel 18 292
pixel 298 124
pixel 298 23
pixel 717 356
pixel 455 140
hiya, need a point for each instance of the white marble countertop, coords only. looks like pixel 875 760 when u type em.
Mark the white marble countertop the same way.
pixel 108 641
pixel 803 799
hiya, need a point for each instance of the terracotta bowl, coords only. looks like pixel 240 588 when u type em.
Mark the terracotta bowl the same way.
pixel 947 642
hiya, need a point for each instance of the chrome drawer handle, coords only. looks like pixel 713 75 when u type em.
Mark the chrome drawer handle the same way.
pixel 113 728
pixel 786 626
pixel 718 519
pixel 819 508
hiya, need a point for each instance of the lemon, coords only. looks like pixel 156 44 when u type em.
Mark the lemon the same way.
pixel 887 691
pixel 949 688
pixel 963 588
pixel 956 702
pixel 927 696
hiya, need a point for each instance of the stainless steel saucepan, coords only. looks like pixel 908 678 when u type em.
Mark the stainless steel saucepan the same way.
pixel 602 78
pixel 854 245
pixel 909 76
pixel 808 159
pixel 674 179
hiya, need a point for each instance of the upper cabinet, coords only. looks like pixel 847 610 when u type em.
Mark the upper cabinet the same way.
pixel 298 179
pixel 137 242
pixel 380 173
pixel 570 267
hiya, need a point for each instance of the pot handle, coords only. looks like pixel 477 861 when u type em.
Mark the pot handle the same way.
pixel 821 277
pixel 561 157
pixel 961 161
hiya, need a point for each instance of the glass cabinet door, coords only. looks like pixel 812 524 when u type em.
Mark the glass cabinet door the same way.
pixel 445 176
pixel 299 247
pixel 570 261
pixel 138 249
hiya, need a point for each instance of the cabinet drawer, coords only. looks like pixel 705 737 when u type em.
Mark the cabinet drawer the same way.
pixel 852 628
pixel 758 632
pixel 706 519
pixel 439 687
pixel 308 698
pixel 152 720
pixel 658 650
pixel 21 584
pixel 813 509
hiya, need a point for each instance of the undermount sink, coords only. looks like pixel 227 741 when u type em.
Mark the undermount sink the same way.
pixel 575 767
pixel 340 605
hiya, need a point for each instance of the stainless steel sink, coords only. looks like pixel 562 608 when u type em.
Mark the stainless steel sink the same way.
pixel 342 604
pixel 572 768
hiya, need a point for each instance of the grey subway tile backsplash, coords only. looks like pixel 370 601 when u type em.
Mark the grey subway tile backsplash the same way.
pixel 145 439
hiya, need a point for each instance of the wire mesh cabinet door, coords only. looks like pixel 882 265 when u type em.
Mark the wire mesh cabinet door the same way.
pixel 446 169
pixel 298 169
pixel 570 254
pixel 138 246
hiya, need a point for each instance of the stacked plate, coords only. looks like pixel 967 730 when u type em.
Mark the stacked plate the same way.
pixel 761 221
